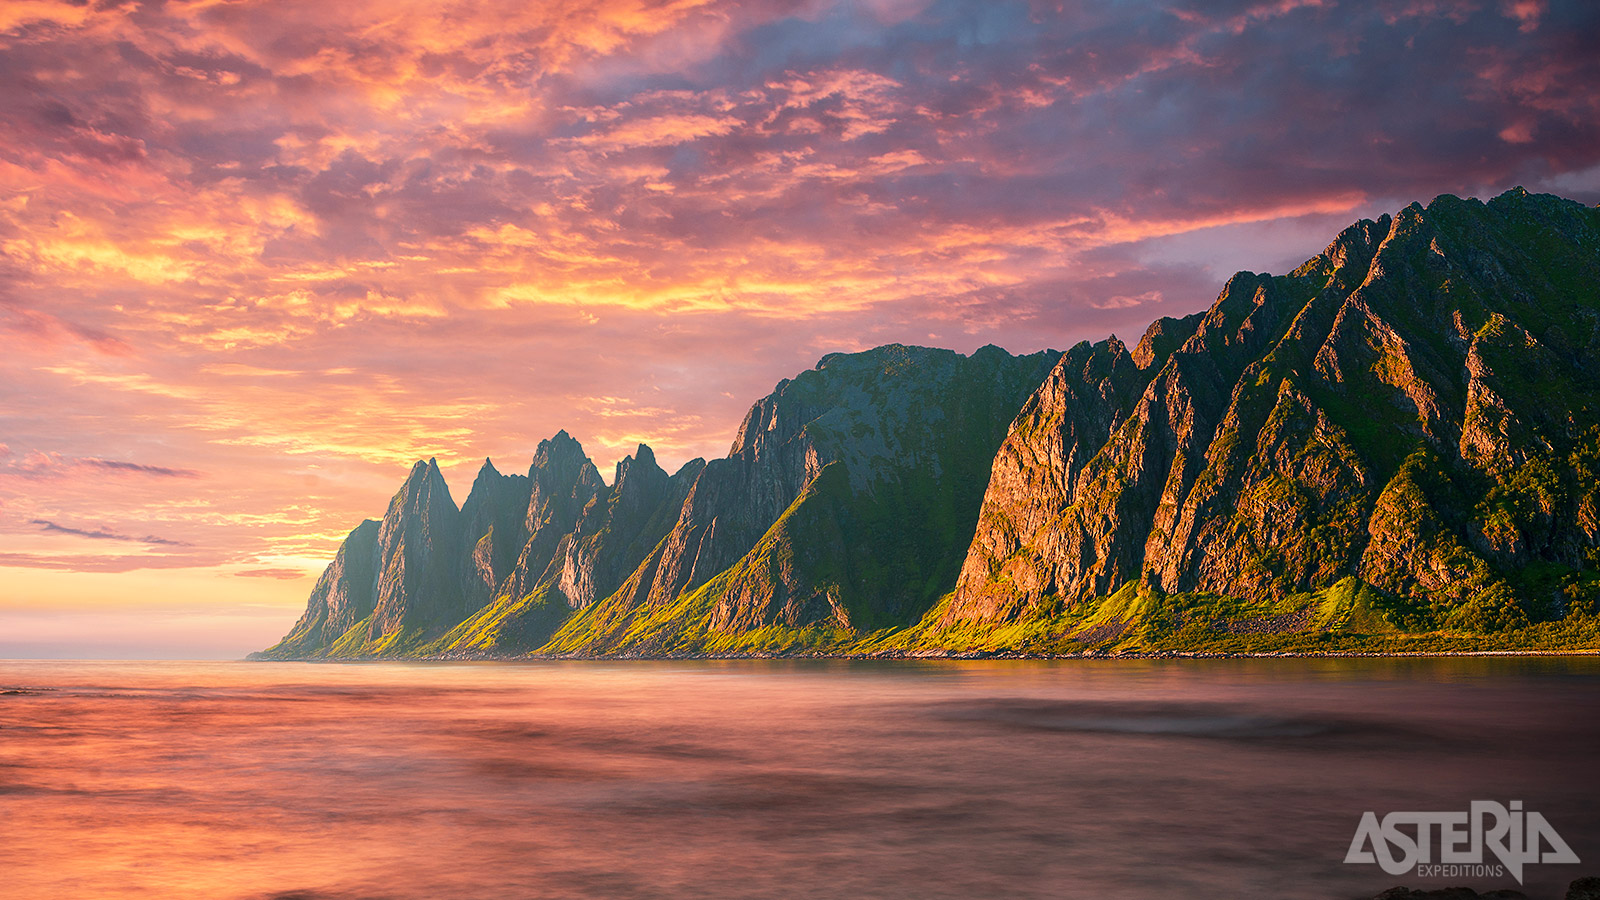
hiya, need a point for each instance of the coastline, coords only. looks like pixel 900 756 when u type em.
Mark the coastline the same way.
pixel 936 655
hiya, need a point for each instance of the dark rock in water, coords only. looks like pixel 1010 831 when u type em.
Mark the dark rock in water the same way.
pixel 1453 893
pixel 1584 889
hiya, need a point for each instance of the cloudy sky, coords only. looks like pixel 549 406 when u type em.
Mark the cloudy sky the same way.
pixel 257 257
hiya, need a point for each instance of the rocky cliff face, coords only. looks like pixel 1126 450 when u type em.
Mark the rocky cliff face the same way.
pixel 1407 408
pixel 764 540
pixel 563 481
pixel 342 597
pixel 419 544
pixel 620 527
pixel 494 519
pixel 1032 484
pixel 394 583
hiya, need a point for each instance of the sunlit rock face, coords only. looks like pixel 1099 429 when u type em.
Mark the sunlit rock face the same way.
pixel 562 482
pixel 342 597
pixel 1412 407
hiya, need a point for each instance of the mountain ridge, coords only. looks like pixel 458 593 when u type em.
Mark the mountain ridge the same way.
pixel 1395 445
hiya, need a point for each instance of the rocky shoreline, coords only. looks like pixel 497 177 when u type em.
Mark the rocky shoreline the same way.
pixel 1587 888
pixel 924 655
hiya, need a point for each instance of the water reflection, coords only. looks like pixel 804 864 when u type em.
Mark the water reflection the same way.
pixel 1216 778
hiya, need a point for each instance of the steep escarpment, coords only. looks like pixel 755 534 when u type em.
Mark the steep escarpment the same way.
pixel 1411 409
pixel 494 518
pixel 418 591
pixel 343 596
pixel 1061 428
pixel 843 507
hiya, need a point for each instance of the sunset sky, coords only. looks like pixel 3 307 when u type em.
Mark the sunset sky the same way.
pixel 258 257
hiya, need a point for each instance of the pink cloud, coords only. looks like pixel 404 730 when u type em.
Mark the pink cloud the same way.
pixel 53 465
pixel 1526 12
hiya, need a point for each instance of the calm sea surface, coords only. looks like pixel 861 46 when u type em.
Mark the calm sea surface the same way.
pixel 1229 778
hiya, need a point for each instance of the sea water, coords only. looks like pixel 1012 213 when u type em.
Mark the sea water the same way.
pixel 772 779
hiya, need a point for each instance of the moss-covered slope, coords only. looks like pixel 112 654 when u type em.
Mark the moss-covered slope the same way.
pixel 1412 411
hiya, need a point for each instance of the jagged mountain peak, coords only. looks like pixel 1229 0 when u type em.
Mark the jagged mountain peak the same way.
pixel 1164 336
pixel 557 447
pixel 491 479
pixel 423 488
pixel 493 531
pixel 424 485
pixel 562 482
pixel 642 459
pixel 1106 352
pixel 416 590
pixel 562 473
pixel 1352 250
pixel 488 480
